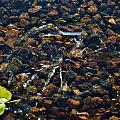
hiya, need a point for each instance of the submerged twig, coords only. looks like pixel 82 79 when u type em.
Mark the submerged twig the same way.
pixel 10 78
pixel 50 76
pixel 14 101
pixel 61 76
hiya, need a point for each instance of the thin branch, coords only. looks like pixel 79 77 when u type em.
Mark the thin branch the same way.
pixel 50 75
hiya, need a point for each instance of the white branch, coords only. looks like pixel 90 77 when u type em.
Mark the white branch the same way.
pixel 50 76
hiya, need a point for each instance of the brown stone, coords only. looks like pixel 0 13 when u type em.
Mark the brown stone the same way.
pixel 1 40
pixel 73 112
pixel 53 13
pixel 73 102
pixel 48 102
pixel 92 9
pixel 114 118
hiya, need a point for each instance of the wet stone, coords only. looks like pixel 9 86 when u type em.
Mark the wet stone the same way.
pixel 73 103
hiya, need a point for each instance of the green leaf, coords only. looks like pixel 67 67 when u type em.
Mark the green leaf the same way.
pixel 2 108
pixel 4 93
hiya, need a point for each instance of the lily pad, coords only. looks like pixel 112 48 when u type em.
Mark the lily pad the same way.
pixel 2 108
pixel 5 94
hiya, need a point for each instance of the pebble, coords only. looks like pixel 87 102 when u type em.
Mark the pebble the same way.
pixel 112 21
pixel 114 118
pixel 74 103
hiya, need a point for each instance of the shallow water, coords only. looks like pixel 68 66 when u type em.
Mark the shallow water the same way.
pixel 60 59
